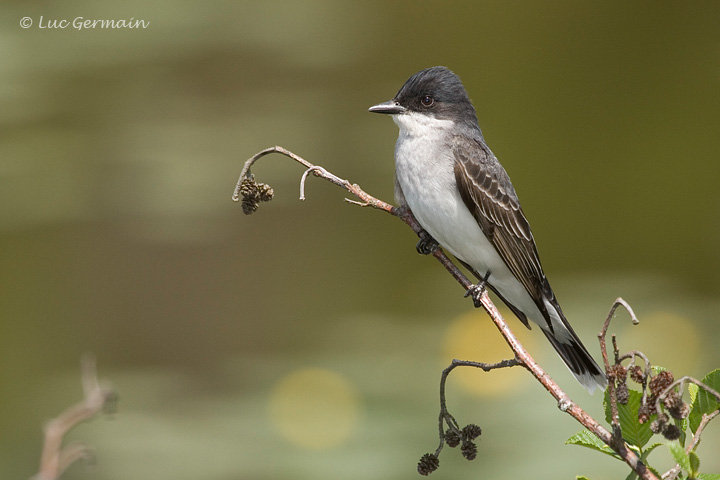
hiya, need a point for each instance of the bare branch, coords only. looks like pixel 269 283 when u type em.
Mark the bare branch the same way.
pixel 55 459
pixel 632 354
pixel 72 453
pixel 445 416
pixel 521 355
pixel 703 423
pixel 617 433
pixel 315 170
pixel 245 173
pixel 681 382
pixel 618 302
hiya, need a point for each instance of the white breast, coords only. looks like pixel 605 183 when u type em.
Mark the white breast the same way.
pixel 424 170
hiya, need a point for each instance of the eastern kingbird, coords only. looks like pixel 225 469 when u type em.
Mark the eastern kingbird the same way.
pixel 461 195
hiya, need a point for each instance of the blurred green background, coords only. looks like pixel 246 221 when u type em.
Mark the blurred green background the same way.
pixel 306 341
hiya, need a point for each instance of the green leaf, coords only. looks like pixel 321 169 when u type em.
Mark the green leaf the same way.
pixel 632 476
pixel 644 457
pixel 692 391
pixel 694 464
pixel 633 431
pixel 585 438
pixel 680 456
pixel 704 402
pixel 648 450
pixel 682 424
pixel 709 476
pixel 655 472
pixel 581 477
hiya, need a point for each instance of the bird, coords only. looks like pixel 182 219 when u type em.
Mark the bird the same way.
pixel 461 195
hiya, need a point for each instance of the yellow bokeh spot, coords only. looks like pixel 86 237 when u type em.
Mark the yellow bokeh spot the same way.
pixel 473 336
pixel 669 340
pixel 314 408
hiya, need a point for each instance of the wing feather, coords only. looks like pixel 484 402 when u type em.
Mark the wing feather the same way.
pixel 487 192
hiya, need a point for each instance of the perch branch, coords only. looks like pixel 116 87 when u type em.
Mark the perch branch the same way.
pixel 522 356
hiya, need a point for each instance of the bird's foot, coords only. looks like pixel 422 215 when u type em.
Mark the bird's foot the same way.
pixel 427 244
pixel 476 291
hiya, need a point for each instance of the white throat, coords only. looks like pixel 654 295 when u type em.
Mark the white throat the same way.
pixel 418 124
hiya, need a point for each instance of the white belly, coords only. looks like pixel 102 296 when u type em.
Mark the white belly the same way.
pixel 424 171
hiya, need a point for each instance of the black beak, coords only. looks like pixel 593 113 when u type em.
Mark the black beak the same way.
pixel 391 107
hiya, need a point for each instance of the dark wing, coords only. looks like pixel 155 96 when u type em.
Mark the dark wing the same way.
pixel 487 192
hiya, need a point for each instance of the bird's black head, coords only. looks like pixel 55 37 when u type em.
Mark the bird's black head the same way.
pixel 435 92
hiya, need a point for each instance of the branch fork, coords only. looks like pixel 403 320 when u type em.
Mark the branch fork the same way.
pixel 55 458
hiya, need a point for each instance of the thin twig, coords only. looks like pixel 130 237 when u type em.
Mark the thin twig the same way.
pixel 55 459
pixel 706 417
pixel 72 453
pixel 615 417
pixel 522 356
pixel 646 375
pixel 316 170
pixel 245 173
pixel 682 381
pixel 445 416
pixel 632 354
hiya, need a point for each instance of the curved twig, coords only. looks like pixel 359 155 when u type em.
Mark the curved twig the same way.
pixel 314 169
pixel 706 417
pixel 445 417
pixel 632 354
pixel 682 381
pixel 318 171
pixel 245 172
pixel 618 302
pixel 615 420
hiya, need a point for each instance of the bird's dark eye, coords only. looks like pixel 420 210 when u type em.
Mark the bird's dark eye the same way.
pixel 427 101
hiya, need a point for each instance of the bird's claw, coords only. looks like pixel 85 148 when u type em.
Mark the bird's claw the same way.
pixel 476 291
pixel 427 244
